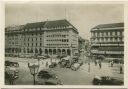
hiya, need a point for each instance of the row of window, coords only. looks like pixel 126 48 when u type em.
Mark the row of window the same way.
pixel 109 39
pixel 13 38
pixel 113 33
pixel 32 50
pixel 31 39
pixel 32 44
pixel 33 34
pixel 62 40
pixel 57 44
pixel 38 29
pixel 57 35
pixel 34 29
pixel 13 43
pixel 58 31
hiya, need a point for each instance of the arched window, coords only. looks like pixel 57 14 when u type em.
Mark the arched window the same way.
pixel 36 50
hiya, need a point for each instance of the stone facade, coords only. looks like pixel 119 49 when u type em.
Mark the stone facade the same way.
pixel 48 37
pixel 108 40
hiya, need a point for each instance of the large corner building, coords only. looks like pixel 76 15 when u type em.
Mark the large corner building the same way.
pixel 48 37
pixel 108 40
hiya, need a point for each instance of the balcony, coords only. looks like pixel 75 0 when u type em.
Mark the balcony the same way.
pixel 106 52
pixel 100 44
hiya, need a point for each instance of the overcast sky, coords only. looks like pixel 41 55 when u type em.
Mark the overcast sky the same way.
pixel 82 16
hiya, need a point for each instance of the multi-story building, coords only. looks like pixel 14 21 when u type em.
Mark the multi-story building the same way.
pixel 81 42
pixel 108 40
pixel 48 37
pixel 13 40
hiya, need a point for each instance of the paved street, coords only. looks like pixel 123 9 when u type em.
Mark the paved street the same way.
pixel 68 77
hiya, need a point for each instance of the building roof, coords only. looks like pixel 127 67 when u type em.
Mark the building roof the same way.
pixel 49 24
pixel 34 25
pixel 12 28
pixel 57 23
pixel 112 25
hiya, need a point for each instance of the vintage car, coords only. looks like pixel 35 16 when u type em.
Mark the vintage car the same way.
pixel 63 63
pixel 76 66
pixel 9 63
pixel 46 77
pixel 53 64
pixel 106 80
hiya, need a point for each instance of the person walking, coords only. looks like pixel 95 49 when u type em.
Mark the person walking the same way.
pixel 46 64
pixel 89 66
pixel 100 65
pixel 95 63
pixel 121 68
pixel 112 63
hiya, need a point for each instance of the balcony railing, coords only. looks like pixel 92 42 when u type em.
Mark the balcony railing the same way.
pixel 107 52
pixel 107 45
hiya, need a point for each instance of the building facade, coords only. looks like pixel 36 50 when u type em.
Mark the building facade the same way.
pixel 49 37
pixel 108 40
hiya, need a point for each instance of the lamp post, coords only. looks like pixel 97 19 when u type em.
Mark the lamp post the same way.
pixel 38 58
pixel 33 70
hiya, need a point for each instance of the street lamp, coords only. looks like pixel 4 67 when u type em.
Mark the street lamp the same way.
pixel 38 58
pixel 33 70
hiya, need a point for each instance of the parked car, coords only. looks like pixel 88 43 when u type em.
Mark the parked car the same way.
pixel 107 80
pixel 63 63
pixel 46 77
pixel 8 63
pixel 53 64
pixel 76 66
pixel 118 61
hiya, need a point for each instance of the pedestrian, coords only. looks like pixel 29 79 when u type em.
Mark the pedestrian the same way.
pixel 95 63
pixel 108 63
pixel 46 64
pixel 88 66
pixel 112 63
pixel 28 64
pixel 121 68
pixel 100 65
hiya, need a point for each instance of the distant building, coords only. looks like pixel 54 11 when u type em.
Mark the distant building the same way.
pixel 48 37
pixel 83 46
pixel 108 40
pixel 81 43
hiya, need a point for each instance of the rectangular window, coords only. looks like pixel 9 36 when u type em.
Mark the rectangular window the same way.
pixel 106 33
pixel 115 33
pixel 110 33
